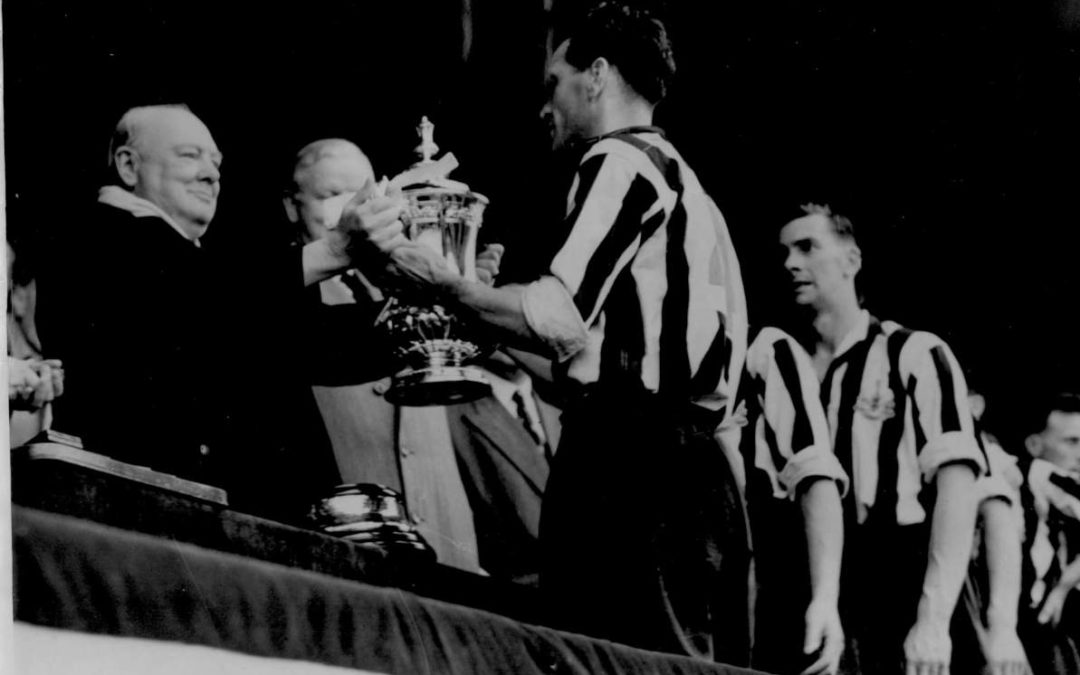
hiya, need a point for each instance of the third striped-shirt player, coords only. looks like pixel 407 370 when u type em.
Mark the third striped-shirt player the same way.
pixel 898 415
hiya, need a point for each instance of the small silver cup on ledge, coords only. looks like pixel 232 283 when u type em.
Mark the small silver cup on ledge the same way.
pixel 370 515
pixel 434 347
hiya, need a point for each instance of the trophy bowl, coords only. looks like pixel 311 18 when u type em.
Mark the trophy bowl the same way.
pixel 434 347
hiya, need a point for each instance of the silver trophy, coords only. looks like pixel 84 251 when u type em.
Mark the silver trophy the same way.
pixel 433 346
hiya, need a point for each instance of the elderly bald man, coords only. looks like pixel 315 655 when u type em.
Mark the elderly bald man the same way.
pixel 178 354
pixel 327 174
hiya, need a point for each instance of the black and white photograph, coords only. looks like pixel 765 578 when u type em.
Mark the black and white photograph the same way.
pixel 541 336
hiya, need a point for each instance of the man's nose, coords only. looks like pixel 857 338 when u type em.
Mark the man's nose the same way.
pixel 793 261
pixel 210 172
pixel 545 111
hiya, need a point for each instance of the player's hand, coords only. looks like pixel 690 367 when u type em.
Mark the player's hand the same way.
pixel 416 268
pixel 928 648
pixel 1055 602
pixel 1005 654
pixel 824 635
pixel 487 263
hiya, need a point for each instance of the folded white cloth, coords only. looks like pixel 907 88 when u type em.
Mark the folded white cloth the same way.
pixel 116 196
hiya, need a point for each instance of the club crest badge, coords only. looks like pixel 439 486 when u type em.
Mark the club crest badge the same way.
pixel 878 404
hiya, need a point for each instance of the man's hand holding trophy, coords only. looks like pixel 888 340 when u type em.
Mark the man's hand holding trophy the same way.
pixel 421 232
pixel 373 218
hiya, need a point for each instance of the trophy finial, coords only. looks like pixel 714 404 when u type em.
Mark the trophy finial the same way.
pixel 427 147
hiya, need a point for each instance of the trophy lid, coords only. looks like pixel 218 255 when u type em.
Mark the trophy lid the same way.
pixel 429 175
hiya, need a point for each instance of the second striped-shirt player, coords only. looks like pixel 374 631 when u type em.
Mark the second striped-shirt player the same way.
pixel 643 316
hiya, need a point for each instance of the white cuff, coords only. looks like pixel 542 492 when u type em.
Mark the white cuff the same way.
pixel 951 446
pixel 552 315
pixel 813 462
pixel 993 486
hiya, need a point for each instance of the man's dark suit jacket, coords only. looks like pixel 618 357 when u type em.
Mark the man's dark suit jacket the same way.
pixel 182 358
pixel 504 472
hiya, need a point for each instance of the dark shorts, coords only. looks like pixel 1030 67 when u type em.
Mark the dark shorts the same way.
pixel 642 531
pixel 781 573
pixel 880 587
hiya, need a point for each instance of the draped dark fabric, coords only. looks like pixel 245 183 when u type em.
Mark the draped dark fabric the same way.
pixel 83 576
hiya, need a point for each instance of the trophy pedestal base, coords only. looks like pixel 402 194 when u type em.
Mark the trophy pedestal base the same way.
pixel 437 385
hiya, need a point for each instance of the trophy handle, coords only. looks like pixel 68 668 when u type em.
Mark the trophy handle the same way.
pixel 470 253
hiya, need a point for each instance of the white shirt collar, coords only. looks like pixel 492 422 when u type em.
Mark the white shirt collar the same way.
pixel 116 196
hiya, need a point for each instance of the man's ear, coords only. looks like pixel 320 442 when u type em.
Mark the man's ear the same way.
pixel 127 161
pixel 291 211
pixel 599 74
pixel 1033 443
pixel 854 259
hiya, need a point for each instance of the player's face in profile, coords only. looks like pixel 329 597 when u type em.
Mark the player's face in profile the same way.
pixel 567 105
pixel 818 261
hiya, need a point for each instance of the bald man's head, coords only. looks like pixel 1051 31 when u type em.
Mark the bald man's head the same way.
pixel 166 155
pixel 327 174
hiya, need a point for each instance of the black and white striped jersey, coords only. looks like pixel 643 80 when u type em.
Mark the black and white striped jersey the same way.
pixel 896 401
pixel 652 273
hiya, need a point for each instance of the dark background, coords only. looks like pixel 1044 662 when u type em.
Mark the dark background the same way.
pixel 948 132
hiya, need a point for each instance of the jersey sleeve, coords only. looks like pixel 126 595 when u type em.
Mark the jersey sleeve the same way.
pixel 610 204
pixel 943 423
pixel 791 443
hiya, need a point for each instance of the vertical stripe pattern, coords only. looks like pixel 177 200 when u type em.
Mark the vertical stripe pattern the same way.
pixel 802 435
pixel 636 262
pixel 892 432
pixel 950 417
pixel 854 361
pixel 901 414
